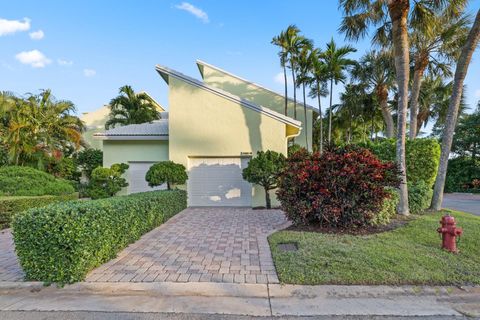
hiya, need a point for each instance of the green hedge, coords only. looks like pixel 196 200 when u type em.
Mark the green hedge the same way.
pixel 26 181
pixel 422 157
pixel 419 197
pixel 460 174
pixel 9 206
pixel 388 210
pixel 63 242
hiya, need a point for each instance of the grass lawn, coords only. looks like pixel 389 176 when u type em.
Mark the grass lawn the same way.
pixel 408 255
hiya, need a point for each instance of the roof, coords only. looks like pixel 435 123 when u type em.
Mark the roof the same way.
pixel 167 72
pixel 156 130
pixel 201 63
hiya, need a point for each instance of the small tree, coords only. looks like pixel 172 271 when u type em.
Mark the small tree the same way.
pixel 106 182
pixel 167 172
pixel 263 170
pixel 89 159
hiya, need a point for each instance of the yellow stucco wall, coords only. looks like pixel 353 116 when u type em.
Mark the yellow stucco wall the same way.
pixel 203 124
pixel 260 96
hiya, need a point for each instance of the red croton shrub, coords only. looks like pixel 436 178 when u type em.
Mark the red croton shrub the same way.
pixel 343 187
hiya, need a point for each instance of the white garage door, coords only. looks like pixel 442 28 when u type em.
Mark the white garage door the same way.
pixel 136 177
pixel 218 182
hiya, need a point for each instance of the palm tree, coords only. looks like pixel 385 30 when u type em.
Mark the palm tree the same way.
pixel 435 46
pixel 130 107
pixel 461 69
pixel 281 41
pixel 336 62
pixel 377 71
pixel 305 61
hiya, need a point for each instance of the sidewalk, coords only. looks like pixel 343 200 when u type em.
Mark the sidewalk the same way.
pixel 261 300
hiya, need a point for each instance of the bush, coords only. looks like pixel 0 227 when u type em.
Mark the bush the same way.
pixel 88 160
pixel 64 168
pixel 343 187
pixel 461 173
pixel 106 182
pixel 388 209
pixel 419 197
pixel 10 206
pixel 167 172
pixel 63 242
pixel 26 181
pixel 422 157
pixel 264 170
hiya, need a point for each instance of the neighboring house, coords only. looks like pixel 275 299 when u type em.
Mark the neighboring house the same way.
pixel 95 123
pixel 212 132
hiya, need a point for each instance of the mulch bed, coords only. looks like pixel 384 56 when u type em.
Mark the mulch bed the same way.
pixel 395 223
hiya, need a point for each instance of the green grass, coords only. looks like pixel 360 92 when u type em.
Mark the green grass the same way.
pixel 408 255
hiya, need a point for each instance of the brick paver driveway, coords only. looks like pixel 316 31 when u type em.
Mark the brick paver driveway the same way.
pixel 9 268
pixel 200 244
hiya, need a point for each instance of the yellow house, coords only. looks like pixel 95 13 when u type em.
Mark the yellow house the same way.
pixel 213 128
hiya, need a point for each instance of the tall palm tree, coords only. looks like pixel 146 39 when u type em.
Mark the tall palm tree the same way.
pixel 336 62
pixel 461 69
pixel 281 41
pixel 305 61
pixel 435 46
pixel 377 71
pixel 130 107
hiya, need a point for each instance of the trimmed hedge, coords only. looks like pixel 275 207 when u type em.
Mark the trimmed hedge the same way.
pixel 63 242
pixel 422 157
pixel 461 173
pixel 388 210
pixel 419 197
pixel 10 206
pixel 27 181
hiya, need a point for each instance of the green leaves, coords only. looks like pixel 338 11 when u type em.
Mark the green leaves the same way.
pixel 63 242
pixel 106 182
pixel 167 172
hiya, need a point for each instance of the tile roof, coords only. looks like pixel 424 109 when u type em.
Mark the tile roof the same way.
pixel 155 128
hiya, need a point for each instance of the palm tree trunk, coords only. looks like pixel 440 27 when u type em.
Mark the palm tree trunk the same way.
pixel 320 143
pixel 382 94
pixel 294 92
pixel 398 11
pixel 417 83
pixel 286 87
pixel 330 113
pixel 305 115
pixel 460 73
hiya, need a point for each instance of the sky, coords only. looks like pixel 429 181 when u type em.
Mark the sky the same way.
pixel 84 51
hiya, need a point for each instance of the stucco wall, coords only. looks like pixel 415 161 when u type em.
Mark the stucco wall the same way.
pixel 203 124
pixel 125 151
pixel 260 96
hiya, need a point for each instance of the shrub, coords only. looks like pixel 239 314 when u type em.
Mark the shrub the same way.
pixel 388 209
pixel 106 182
pixel 10 206
pixel 63 242
pixel 422 157
pixel 264 170
pixel 26 181
pixel 88 160
pixel 343 187
pixel 419 197
pixel 64 168
pixel 167 172
pixel 461 173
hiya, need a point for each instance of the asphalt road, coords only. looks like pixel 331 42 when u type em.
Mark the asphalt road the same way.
pixel 462 202
pixel 82 315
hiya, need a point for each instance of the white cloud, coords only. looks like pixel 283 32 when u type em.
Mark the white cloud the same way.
pixel 65 63
pixel 477 93
pixel 12 26
pixel 89 72
pixel 279 78
pixel 34 58
pixel 37 35
pixel 197 12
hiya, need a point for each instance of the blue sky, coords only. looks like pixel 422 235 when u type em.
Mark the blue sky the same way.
pixel 87 49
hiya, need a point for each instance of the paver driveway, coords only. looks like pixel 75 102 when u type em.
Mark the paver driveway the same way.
pixel 9 268
pixel 200 244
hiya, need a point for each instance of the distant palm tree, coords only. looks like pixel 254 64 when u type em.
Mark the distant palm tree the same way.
pixel 305 63
pixel 281 41
pixel 336 62
pixel 130 107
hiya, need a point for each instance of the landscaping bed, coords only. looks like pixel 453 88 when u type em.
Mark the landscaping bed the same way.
pixel 410 254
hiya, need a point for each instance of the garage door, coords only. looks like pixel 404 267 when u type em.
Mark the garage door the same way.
pixel 218 182
pixel 136 177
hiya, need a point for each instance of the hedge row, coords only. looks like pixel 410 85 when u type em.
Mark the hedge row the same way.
pixel 10 206
pixel 63 242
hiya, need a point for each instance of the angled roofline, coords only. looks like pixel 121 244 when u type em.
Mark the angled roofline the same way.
pixel 166 72
pixel 158 105
pixel 203 63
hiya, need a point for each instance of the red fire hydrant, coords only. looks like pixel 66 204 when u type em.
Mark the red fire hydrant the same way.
pixel 449 233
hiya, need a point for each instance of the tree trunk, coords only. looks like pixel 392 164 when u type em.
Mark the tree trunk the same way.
pixel 460 73
pixel 320 144
pixel 267 199
pixel 286 87
pixel 382 94
pixel 420 65
pixel 398 10
pixel 168 186
pixel 330 114
pixel 294 93
pixel 305 115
